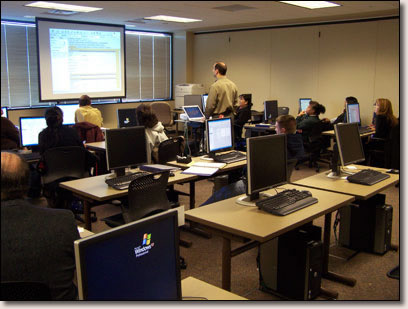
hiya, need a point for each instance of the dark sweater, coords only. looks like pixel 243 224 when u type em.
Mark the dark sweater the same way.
pixel 295 146
pixel 10 138
pixel 306 124
pixel 37 244
pixel 382 127
pixel 66 136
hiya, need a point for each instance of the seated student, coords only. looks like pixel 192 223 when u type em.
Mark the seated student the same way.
pixel 37 244
pixel 10 138
pixel 57 135
pixel 243 114
pixel 342 118
pixel 307 119
pixel 286 124
pixel 87 113
pixel 384 119
pixel 154 130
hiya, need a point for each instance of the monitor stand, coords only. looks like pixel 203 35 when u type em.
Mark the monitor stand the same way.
pixel 246 200
pixel 118 173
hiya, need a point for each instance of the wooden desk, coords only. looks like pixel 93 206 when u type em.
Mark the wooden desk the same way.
pixel 95 189
pixel 98 146
pixel 194 289
pixel 360 192
pixel 235 222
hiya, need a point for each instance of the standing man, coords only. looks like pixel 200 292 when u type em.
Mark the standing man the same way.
pixel 87 113
pixel 222 98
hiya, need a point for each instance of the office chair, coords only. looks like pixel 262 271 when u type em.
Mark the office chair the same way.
pixel 385 152
pixel 283 110
pixel 89 132
pixel 164 114
pixel 63 164
pixel 315 145
pixel 24 290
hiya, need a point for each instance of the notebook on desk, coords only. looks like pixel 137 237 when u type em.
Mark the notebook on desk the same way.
pixel 194 113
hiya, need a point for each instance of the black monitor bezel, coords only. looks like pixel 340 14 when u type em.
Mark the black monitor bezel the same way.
pixel 207 134
pixel 119 170
pixel 277 114
pixel 341 145
pixel 348 113
pixel 254 193
pixel 126 109
pixel 81 244
pixel 21 130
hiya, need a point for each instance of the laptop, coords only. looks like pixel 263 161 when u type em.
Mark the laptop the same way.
pixel 194 113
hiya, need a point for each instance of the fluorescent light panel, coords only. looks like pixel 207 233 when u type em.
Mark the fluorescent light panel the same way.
pixel 173 19
pixel 312 4
pixel 131 32
pixel 63 7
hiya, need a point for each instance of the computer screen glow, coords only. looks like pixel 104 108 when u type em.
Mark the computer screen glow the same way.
pixel 30 127
pixel 219 134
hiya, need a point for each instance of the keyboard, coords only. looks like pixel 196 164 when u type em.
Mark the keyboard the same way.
pixel 230 157
pixel 122 182
pixel 32 156
pixel 286 202
pixel 367 177
pixel 363 130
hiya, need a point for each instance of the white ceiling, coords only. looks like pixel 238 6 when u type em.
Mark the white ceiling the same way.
pixel 260 13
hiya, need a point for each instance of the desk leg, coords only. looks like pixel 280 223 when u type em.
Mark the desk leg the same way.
pixel 226 264
pixel 326 246
pixel 87 215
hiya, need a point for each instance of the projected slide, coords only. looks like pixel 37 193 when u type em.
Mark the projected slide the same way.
pixel 78 59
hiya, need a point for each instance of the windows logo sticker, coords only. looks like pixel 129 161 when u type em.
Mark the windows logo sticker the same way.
pixel 146 239
pixel 146 246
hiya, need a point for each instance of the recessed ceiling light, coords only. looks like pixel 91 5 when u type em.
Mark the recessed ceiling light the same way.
pixel 64 7
pixel 173 19
pixel 312 4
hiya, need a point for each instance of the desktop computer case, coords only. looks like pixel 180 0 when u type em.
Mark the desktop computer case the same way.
pixel 290 266
pixel 367 225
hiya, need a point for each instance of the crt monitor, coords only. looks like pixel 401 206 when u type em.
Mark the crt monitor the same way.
pixel 68 111
pixel 204 98
pixel 266 166
pixel 353 113
pixel 270 111
pixel 304 103
pixel 125 147
pixel 30 128
pixel 219 134
pixel 348 148
pixel 4 110
pixel 193 99
pixel 136 261
pixel 127 117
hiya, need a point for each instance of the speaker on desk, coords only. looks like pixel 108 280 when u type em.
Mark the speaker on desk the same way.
pixel 290 266
pixel 367 225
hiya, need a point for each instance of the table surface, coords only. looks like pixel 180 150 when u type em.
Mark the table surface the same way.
pixel 196 289
pixel 96 145
pixel 332 134
pixel 96 189
pixel 250 222
pixel 321 181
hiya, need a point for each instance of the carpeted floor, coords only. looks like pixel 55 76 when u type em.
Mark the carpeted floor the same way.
pixel 204 257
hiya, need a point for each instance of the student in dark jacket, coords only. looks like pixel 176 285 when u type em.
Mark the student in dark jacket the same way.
pixel 342 118
pixel 57 135
pixel 243 114
pixel 10 138
pixel 286 124
pixel 384 119
pixel 307 119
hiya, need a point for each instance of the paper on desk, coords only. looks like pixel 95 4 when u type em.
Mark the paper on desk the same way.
pixel 210 164
pixel 200 171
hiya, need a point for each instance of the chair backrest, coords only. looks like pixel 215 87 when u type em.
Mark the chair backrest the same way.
pixel 283 110
pixel 163 113
pixel 147 196
pixel 89 132
pixel 290 166
pixel 392 148
pixel 170 148
pixel 66 162
pixel 20 290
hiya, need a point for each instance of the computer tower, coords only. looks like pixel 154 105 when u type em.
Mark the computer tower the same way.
pixel 367 225
pixel 290 265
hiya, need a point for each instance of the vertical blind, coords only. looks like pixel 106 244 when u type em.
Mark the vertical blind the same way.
pixel 148 67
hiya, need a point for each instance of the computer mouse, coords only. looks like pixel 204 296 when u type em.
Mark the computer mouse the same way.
pixel 307 192
pixel 171 174
pixel 392 171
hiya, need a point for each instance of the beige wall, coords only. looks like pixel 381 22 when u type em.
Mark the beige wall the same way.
pixel 354 59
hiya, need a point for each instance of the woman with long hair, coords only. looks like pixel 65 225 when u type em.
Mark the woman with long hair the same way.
pixel 385 119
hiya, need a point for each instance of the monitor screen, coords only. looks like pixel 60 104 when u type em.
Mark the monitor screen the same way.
pixel 136 261
pixel 193 112
pixel 30 127
pixel 353 113
pixel 219 135
pixel 193 99
pixel 349 143
pixel 68 111
pixel 4 110
pixel 270 110
pixel 204 98
pixel 266 163
pixel 127 117
pixel 125 147
pixel 303 104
